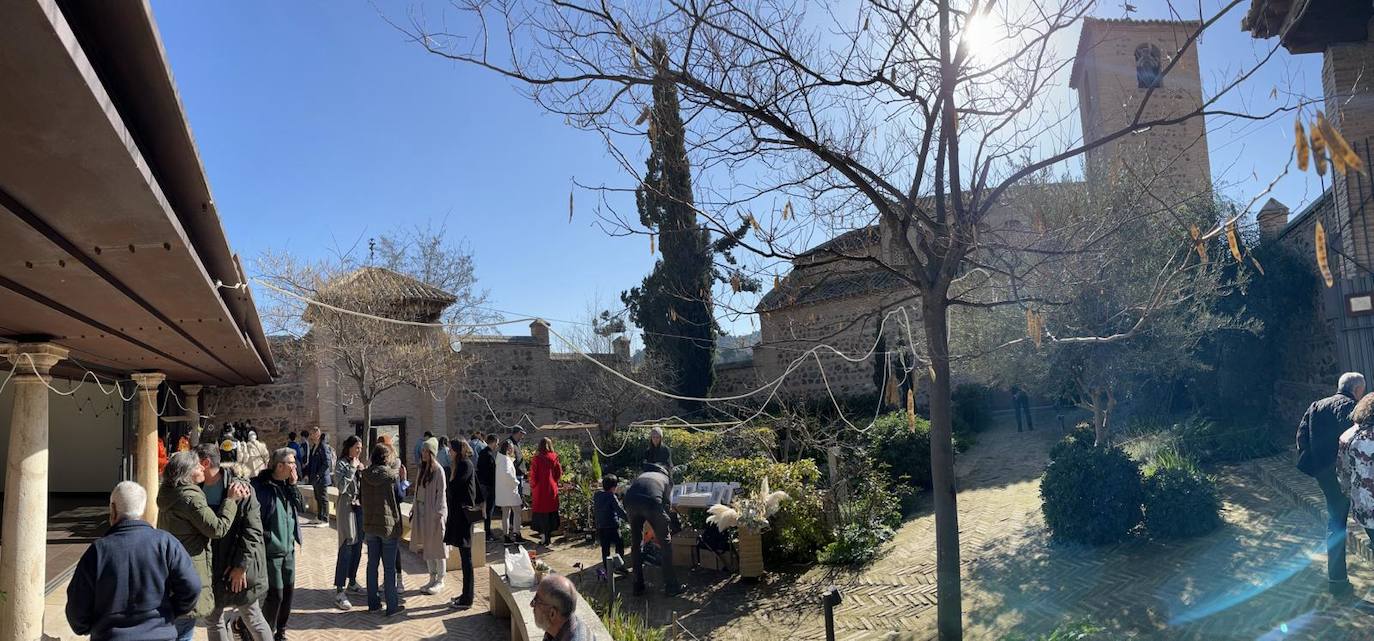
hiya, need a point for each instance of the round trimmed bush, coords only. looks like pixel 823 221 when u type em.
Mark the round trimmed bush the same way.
pixel 1180 502
pixel 1081 436
pixel 1091 495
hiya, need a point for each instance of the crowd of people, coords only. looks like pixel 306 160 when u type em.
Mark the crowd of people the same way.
pixel 223 552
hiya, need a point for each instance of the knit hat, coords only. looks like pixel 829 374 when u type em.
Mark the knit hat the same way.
pixel 432 444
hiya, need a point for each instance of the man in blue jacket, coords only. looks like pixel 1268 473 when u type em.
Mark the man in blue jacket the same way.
pixel 133 582
pixel 319 471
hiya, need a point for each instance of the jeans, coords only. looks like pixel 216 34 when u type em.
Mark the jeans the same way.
pixel 281 584
pixel 1337 514
pixel 1022 406
pixel 380 550
pixel 656 515
pixel 350 556
pixel 322 500
pixel 251 615
pixel 186 628
pixel 489 499
pixel 469 579
pixel 610 536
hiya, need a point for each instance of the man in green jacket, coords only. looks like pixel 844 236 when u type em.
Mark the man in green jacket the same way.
pixel 280 503
pixel 184 513
pixel 239 560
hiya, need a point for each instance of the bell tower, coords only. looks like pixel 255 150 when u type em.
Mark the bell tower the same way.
pixel 1118 64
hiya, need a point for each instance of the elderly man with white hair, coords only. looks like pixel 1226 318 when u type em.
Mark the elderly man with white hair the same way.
pixel 132 583
pixel 554 604
pixel 1319 433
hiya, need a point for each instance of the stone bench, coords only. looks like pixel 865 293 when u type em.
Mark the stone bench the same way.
pixel 514 604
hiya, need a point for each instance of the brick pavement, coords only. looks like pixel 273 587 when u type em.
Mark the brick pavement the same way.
pixel 1259 576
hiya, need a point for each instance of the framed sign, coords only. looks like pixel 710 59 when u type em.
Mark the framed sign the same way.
pixel 1359 304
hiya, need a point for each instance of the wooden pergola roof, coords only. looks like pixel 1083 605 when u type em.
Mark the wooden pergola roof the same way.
pixel 110 243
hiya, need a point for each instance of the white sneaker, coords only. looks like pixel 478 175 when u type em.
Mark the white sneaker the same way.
pixel 341 601
pixel 434 588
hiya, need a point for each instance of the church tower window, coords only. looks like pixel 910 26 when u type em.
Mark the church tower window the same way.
pixel 1147 67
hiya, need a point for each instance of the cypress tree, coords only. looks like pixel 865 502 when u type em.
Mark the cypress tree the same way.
pixel 673 304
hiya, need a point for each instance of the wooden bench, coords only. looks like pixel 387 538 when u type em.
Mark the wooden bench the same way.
pixel 515 605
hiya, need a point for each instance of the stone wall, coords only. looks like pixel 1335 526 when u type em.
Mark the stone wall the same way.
pixel 274 409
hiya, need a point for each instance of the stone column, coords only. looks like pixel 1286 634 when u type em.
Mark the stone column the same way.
pixel 192 393
pixel 145 442
pixel 22 561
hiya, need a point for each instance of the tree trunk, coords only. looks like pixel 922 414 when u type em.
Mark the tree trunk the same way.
pixel 367 425
pixel 949 594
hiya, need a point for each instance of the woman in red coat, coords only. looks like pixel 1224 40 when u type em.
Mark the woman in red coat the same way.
pixel 545 472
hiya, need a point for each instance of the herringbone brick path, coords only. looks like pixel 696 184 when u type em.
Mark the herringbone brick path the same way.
pixel 1257 577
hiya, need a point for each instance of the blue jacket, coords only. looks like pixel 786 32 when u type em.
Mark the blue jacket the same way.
pixel 131 584
pixel 319 464
pixel 607 510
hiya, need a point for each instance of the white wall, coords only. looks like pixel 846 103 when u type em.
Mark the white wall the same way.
pixel 84 439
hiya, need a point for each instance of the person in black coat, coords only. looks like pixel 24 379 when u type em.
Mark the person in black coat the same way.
pixel 486 482
pixel 648 501
pixel 462 497
pixel 132 583
pixel 1318 432
pixel 657 452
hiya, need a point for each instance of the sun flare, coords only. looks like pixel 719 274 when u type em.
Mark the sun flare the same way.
pixel 982 36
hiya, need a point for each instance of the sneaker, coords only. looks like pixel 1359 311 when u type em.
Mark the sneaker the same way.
pixel 341 601
pixel 1340 588
pixel 354 588
pixel 433 588
pixel 399 609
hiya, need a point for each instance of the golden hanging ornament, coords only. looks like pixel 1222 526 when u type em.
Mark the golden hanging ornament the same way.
pixel 787 210
pixel 1319 151
pixel 1322 263
pixel 1233 239
pixel 1338 148
pixel 1198 244
pixel 911 408
pixel 1300 144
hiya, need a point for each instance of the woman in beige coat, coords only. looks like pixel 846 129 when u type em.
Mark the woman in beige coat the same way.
pixel 428 514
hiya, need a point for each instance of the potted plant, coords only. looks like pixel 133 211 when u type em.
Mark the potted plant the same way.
pixel 750 515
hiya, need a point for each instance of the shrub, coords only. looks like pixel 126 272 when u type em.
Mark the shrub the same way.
pixel 1180 501
pixel 904 452
pixel 798 529
pixel 1081 436
pixel 1216 442
pixel 575 506
pixel 970 408
pixel 868 519
pixel 629 446
pixel 1077 631
pixel 623 624
pixel 1091 494
pixel 855 544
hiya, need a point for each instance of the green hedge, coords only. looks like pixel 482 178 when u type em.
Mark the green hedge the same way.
pixel 1091 494
pixel 1180 501
pixel 798 529
pixel 687 445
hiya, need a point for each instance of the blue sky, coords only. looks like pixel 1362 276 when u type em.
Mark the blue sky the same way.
pixel 319 126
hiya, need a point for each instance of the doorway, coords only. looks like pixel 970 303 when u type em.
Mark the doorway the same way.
pixel 394 429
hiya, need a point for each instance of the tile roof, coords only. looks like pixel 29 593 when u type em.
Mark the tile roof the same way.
pixel 833 286
pixel 392 285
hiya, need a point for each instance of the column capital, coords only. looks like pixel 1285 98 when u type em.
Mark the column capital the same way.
pixel 33 359
pixel 192 390
pixel 148 381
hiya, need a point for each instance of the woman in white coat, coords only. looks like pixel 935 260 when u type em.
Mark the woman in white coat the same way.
pixel 429 512
pixel 508 493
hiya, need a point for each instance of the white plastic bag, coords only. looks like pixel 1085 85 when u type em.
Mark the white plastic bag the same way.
pixel 519 569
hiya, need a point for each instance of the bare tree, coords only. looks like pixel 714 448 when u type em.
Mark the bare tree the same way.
pixel 374 328
pixel 896 114
pixel 614 398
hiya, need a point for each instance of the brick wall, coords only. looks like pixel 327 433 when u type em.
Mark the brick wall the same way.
pixel 1348 81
